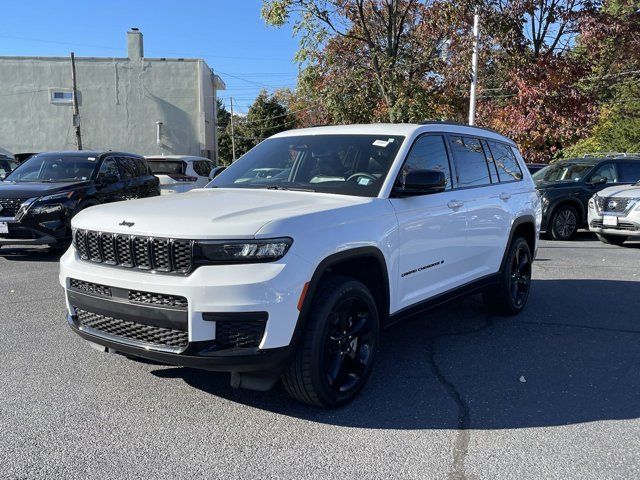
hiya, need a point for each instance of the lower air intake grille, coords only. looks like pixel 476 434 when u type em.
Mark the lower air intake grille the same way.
pixel 239 334
pixel 93 288
pixel 155 336
pixel 159 299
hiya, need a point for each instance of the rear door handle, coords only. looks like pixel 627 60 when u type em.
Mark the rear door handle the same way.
pixel 505 196
pixel 453 204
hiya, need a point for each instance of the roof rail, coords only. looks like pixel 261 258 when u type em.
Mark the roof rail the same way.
pixel 611 154
pixel 458 124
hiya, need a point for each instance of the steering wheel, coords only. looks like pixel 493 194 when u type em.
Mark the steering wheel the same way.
pixel 361 174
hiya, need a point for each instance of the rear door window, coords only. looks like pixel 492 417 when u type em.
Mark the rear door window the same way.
pixel 128 167
pixel 505 161
pixel 471 165
pixel 629 172
pixel 141 167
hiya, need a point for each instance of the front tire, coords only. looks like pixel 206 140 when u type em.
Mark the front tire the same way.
pixel 564 223
pixel 338 347
pixel 612 239
pixel 510 296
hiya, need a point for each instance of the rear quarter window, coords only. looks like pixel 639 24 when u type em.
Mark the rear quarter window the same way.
pixel 506 162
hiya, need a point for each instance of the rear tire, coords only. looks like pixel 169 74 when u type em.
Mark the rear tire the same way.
pixel 564 223
pixel 510 296
pixel 612 239
pixel 337 350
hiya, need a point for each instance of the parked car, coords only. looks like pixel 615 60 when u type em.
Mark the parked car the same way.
pixel 535 167
pixel 7 165
pixel 181 173
pixel 614 214
pixel 39 198
pixel 566 186
pixel 295 276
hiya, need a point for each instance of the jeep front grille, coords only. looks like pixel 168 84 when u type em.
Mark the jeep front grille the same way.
pixel 134 251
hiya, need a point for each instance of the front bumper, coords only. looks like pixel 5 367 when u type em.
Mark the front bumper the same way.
pixel 199 355
pixel 627 225
pixel 212 296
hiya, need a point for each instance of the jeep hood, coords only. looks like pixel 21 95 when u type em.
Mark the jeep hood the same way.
pixel 208 213
pixel 621 191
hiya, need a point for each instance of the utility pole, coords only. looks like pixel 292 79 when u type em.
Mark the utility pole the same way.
pixel 233 138
pixel 474 68
pixel 76 113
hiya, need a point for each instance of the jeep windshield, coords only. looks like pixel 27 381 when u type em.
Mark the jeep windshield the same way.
pixel 563 172
pixel 342 164
pixel 55 168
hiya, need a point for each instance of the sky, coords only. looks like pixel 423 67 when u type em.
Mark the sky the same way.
pixel 229 35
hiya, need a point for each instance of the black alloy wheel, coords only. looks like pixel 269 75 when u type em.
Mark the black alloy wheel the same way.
pixel 520 275
pixel 349 345
pixel 510 295
pixel 564 223
pixel 337 350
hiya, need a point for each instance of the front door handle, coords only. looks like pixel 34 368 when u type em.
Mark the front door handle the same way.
pixel 505 196
pixel 453 204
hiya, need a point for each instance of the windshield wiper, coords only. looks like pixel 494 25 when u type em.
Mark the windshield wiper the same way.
pixel 295 189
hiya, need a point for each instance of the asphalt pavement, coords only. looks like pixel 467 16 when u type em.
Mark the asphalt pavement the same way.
pixel 457 393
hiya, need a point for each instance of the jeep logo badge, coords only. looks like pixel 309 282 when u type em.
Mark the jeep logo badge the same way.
pixel 124 223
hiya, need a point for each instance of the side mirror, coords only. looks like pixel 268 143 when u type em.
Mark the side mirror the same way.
pixel 420 182
pixel 597 180
pixel 108 179
pixel 215 172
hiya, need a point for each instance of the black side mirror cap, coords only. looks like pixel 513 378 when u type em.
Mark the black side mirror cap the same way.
pixel 420 182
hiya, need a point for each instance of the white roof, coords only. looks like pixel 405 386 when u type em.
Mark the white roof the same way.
pixel 404 129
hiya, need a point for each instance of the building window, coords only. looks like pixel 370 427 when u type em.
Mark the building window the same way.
pixel 61 95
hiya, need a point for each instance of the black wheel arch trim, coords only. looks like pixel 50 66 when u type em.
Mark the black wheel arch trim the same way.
pixel 325 265
pixel 524 219
pixel 574 202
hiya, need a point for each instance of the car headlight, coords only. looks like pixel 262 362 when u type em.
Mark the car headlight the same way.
pixel 592 203
pixel 241 251
pixel 43 205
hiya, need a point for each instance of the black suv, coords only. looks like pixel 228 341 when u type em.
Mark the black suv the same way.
pixel 567 185
pixel 39 198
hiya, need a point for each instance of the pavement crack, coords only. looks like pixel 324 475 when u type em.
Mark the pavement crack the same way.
pixel 463 437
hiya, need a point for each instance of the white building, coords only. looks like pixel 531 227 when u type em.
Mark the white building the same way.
pixel 135 104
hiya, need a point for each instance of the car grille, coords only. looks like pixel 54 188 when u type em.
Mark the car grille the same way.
pixel 10 206
pixel 92 288
pixel 147 334
pixel 131 251
pixel 621 226
pixel 158 299
pixel 614 204
pixel 239 334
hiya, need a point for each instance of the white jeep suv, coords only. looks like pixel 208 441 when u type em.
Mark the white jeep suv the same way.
pixel 293 275
pixel 614 214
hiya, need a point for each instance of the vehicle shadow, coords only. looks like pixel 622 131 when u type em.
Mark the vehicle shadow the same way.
pixel 33 254
pixel 571 357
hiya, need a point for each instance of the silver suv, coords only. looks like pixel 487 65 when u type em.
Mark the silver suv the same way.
pixel 614 214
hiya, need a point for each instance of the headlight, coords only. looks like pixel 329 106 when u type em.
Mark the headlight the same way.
pixel 592 203
pixel 43 206
pixel 241 251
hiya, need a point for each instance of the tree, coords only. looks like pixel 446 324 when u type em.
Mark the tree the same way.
pixel 266 116
pixel 354 45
